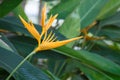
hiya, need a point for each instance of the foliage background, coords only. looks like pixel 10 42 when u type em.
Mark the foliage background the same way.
pixel 80 60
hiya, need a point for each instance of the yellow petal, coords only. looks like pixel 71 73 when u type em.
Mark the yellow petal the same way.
pixel 94 38
pixel 48 25
pixel 51 45
pixel 30 27
pixel 43 16
pixel 44 30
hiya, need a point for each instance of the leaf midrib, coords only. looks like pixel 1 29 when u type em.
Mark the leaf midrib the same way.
pixel 97 2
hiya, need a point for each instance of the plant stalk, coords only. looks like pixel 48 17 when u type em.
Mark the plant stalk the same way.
pixel 20 64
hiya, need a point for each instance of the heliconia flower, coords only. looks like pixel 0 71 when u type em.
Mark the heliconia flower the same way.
pixel 49 41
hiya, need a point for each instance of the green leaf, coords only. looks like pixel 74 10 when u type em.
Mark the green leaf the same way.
pixel 13 24
pixel 94 74
pixel 8 55
pixel 49 0
pixel 91 72
pixel 91 59
pixel 109 9
pixel 113 20
pixel 89 10
pixel 20 11
pixel 110 32
pixel 5 43
pixel 84 56
pixel 64 8
pixel 110 27
pixel 76 77
pixel 8 5
pixel 25 45
pixel 25 72
pixel 51 75
pixel 53 58
pixel 107 51
pixel 71 26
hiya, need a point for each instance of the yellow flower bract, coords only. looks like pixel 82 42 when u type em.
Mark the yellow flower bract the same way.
pixel 49 41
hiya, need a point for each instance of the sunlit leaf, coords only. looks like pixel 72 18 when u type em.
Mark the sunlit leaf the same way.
pixel 109 9
pixel 89 9
pixel 71 26
pixel 64 8
pixel 20 11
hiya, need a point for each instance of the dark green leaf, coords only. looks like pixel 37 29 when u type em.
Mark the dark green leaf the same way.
pixel 13 24
pixel 25 45
pixel 109 27
pixel 107 51
pixel 91 59
pixel 91 72
pixel 25 72
pixel 5 43
pixel 51 75
pixel 113 20
pixel 49 0
pixel 88 58
pixel 7 5
pixel 9 60
pixel 110 32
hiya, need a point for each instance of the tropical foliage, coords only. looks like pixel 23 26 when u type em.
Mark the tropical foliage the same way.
pixel 94 57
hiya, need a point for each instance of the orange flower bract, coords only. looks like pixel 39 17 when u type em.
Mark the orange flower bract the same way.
pixel 49 41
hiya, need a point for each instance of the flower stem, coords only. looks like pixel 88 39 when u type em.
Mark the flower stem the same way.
pixel 20 64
